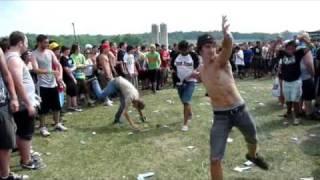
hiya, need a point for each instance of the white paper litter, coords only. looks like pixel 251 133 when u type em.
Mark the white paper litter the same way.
pixel 169 101
pixel 145 175
pixel 82 142
pixel 165 126
pixel 94 133
pixel 190 147
pixel 261 104
pixel 294 139
pixel 229 140
pixel 248 163
pixel 130 133
pixel 307 178
pixel 241 169
pixel 156 111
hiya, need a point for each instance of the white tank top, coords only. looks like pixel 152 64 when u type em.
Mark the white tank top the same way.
pixel 26 79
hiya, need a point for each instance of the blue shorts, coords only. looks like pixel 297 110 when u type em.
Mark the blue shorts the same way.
pixel 292 91
pixel 185 91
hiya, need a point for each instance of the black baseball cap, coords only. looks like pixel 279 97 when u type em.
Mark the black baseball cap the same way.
pixel 204 39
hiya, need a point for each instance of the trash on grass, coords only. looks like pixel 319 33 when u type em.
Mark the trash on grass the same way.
pixel 261 104
pixel 248 163
pixel 94 133
pixel 190 147
pixel 307 178
pixel 241 169
pixel 229 140
pixel 82 142
pixel 130 133
pixel 156 111
pixel 169 101
pixel 145 175
pixel 295 139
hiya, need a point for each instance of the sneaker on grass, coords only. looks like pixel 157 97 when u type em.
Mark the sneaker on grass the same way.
pixel 44 132
pixel 13 176
pixel 60 127
pixel 258 161
pixel 185 128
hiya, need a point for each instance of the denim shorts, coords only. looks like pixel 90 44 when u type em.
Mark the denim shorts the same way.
pixel 292 91
pixel 224 121
pixel 185 91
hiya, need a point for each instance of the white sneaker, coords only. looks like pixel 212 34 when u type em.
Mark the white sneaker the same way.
pixel 108 103
pixel 44 132
pixel 60 127
pixel 185 128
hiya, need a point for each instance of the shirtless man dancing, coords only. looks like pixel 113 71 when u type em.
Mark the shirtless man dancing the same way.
pixel 229 107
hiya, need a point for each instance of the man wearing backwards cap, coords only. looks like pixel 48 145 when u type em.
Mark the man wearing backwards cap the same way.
pixel 104 64
pixel 229 107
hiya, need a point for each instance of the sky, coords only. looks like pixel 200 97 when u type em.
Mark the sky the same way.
pixel 121 17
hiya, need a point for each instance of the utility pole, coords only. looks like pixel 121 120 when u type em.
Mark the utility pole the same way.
pixel 74 33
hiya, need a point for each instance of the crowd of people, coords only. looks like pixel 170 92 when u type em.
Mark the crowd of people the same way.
pixel 34 83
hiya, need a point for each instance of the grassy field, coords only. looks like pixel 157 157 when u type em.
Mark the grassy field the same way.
pixel 113 154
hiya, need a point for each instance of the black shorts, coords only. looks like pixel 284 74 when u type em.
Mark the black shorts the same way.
pixel 71 89
pixel 49 100
pixel 308 90
pixel 25 124
pixel 82 86
pixel 7 129
pixel 154 75
pixel 143 75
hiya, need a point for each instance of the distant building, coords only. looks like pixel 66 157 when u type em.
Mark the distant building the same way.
pixel 159 37
pixel 315 35
pixel 154 33
pixel 164 35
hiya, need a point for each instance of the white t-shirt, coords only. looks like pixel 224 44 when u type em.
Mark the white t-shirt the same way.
pixel 88 71
pixel 239 58
pixel 129 60
pixel 185 68
pixel 264 51
pixel 129 92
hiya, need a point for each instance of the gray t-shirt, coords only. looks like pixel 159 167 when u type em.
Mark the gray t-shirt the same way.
pixel 26 80
pixel 3 92
pixel 45 61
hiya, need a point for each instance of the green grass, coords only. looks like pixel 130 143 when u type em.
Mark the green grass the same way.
pixel 112 154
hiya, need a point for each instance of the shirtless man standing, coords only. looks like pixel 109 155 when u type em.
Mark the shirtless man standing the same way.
pixel 229 107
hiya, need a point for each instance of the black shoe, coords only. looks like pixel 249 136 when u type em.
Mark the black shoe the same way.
pixel 13 176
pixel 258 161
pixel 143 119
